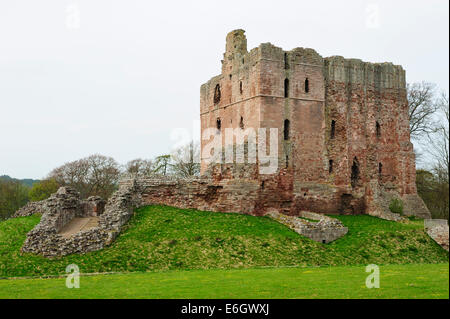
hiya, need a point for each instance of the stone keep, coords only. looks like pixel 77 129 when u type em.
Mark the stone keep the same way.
pixel 343 130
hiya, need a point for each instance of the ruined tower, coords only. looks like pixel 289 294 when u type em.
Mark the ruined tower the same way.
pixel 343 130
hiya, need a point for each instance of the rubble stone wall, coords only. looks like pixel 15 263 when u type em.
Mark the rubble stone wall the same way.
pixel 438 230
pixel 348 147
pixel 325 230
pixel 63 206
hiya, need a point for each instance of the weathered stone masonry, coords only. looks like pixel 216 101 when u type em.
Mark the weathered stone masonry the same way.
pixel 63 207
pixel 344 148
pixel 343 131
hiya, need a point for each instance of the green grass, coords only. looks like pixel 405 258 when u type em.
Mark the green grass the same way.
pixel 396 281
pixel 161 238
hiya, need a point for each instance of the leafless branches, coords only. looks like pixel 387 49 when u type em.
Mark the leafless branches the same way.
pixel 439 140
pixel 422 107
pixel 185 160
pixel 93 175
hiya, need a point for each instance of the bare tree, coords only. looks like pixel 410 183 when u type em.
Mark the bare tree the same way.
pixel 93 175
pixel 162 164
pixel 185 160
pixel 140 167
pixel 422 107
pixel 439 141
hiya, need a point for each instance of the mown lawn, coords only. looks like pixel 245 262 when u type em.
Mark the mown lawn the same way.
pixel 396 282
pixel 161 238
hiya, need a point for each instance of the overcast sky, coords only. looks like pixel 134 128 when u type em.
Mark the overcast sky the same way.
pixel 79 77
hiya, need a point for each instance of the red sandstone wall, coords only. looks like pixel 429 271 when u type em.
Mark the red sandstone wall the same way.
pixel 355 94
pixel 239 87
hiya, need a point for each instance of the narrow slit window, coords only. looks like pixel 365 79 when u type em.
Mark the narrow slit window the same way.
pixel 218 124
pixel 241 90
pixel 378 129
pixel 286 62
pixel 217 94
pixel 355 173
pixel 286 88
pixel 333 129
pixel 241 123
pixel 286 129
pixel 330 166
pixel 380 169
pixel 306 85
pixel 287 161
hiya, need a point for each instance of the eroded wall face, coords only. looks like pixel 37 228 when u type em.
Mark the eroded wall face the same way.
pixel 347 148
pixel 230 100
pixel 368 105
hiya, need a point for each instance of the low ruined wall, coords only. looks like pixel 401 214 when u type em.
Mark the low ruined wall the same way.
pixel 274 192
pixel 63 206
pixel 199 193
pixel 325 230
pixel 235 195
pixel 65 198
pixel 273 195
pixel 378 201
pixel 29 209
pixel 239 195
pixel 438 230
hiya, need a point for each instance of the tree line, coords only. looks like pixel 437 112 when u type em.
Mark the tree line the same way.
pixel 97 175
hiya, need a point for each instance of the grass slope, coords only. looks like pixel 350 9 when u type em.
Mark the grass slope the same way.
pixel 165 238
pixel 396 281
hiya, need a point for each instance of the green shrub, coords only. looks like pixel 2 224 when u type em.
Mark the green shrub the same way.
pixel 396 206
pixel 43 189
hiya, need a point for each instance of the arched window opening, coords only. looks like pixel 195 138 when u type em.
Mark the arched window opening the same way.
pixel 231 76
pixel 241 123
pixel 306 85
pixel 241 90
pixel 217 94
pixel 333 129
pixel 218 124
pixel 330 166
pixel 286 129
pixel 286 88
pixel 355 172
pixel 378 129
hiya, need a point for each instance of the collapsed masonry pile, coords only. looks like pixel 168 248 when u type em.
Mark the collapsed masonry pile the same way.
pixel 439 231
pixel 64 198
pixel 29 209
pixel 63 207
pixel 325 230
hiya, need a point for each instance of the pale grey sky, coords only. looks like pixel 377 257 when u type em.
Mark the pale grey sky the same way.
pixel 116 77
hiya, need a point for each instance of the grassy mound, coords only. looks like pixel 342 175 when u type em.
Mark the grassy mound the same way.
pixel 165 238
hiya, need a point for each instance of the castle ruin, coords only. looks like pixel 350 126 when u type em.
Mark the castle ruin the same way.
pixel 343 147
pixel 343 130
